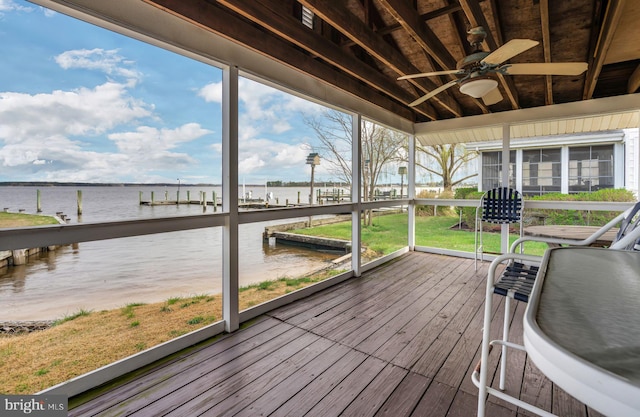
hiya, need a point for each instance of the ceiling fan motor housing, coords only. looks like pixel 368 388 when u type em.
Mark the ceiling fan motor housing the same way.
pixel 472 62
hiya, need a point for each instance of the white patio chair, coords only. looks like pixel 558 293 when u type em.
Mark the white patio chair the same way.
pixel 516 282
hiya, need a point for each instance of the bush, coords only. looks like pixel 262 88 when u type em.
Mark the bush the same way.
pixel 469 213
pixel 571 217
pixel 461 193
pixel 428 210
pixel 580 217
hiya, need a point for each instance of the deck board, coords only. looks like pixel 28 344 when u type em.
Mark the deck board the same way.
pixel 402 340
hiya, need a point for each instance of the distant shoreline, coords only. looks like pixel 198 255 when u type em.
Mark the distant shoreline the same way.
pixel 277 184
pixel 100 184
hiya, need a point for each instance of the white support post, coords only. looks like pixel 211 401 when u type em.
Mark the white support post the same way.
pixel 356 193
pixel 518 173
pixel 506 163
pixel 411 193
pixel 564 169
pixel 636 158
pixel 230 269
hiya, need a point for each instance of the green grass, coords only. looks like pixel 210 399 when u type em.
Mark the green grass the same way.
pixel 441 232
pixel 24 220
pixel 80 313
pixel 389 233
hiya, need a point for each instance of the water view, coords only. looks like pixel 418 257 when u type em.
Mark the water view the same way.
pixel 111 273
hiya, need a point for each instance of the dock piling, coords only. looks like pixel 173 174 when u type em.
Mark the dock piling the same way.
pixel 79 202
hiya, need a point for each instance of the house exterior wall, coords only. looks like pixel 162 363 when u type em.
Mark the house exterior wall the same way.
pixel 626 159
pixel 632 160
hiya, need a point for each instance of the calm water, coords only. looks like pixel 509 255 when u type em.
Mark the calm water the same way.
pixel 112 273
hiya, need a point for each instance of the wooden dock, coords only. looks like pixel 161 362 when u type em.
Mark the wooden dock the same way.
pixel 243 204
pixel 312 242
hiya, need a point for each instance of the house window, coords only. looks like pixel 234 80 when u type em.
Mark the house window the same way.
pixel 492 170
pixel 541 171
pixel 590 168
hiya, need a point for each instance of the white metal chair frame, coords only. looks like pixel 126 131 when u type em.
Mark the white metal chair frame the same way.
pixel 628 238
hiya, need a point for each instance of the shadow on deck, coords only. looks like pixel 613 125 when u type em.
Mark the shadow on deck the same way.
pixel 402 340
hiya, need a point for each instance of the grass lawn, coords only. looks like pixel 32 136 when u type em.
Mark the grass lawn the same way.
pixel 24 220
pixel 87 340
pixel 389 233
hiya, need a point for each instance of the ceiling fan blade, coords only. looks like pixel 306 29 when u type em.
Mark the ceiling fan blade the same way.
pixel 430 74
pixel 549 68
pixel 492 97
pixel 433 93
pixel 509 50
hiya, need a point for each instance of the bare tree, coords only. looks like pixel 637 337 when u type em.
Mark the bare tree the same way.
pixel 445 161
pixel 380 146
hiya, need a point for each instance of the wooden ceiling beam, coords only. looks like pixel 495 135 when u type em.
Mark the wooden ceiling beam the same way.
pixel 217 19
pixel 425 17
pixel 338 16
pixel 609 25
pixel 496 21
pixel 269 14
pixel 634 81
pixel 423 35
pixel 546 46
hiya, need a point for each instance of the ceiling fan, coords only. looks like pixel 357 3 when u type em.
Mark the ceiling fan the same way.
pixel 476 69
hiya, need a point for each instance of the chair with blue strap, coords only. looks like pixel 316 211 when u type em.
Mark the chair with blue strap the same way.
pixel 502 205
pixel 516 282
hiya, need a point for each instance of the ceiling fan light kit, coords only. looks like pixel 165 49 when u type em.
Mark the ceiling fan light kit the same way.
pixel 478 88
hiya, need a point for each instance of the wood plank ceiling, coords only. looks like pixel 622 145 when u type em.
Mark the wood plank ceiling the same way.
pixel 363 46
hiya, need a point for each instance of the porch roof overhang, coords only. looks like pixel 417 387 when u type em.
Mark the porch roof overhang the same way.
pixel 596 115
pixel 198 29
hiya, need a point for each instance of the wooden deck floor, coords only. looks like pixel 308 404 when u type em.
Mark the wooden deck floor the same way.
pixel 400 341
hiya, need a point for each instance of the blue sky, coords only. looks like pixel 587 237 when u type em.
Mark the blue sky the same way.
pixel 80 103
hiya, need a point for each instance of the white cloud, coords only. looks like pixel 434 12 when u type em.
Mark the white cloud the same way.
pixel 258 154
pixel 106 61
pixel 266 148
pixel 150 141
pixel 52 133
pixel 10 6
pixel 84 111
pixel 266 110
pixel 212 93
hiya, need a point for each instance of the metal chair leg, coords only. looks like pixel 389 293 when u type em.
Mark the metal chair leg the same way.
pixel 484 356
pixel 505 338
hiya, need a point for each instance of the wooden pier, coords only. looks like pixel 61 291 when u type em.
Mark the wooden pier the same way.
pixel 254 204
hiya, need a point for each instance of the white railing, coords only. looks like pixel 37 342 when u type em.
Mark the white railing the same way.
pixel 17 238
